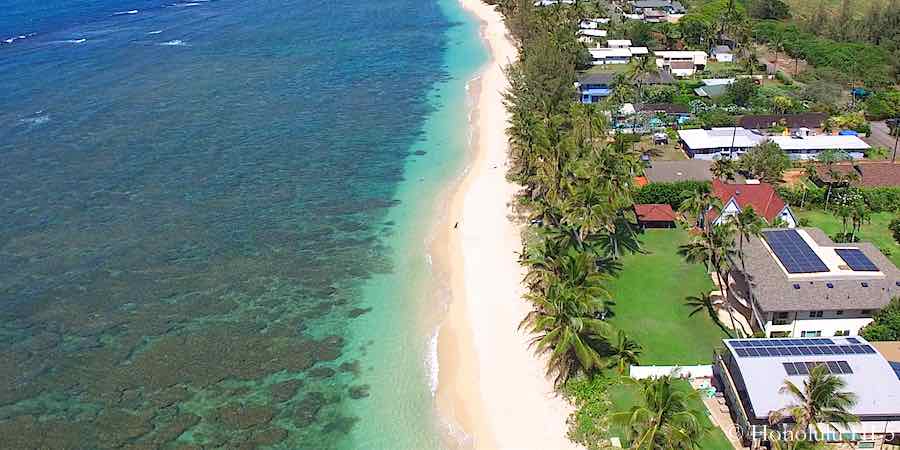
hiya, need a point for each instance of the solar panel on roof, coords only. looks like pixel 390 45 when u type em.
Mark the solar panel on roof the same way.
pixel 789 368
pixel 805 350
pixel 853 340
pixel 856 259
pixel 868 349
pixel 741 352
pixel 794 350
pixel 816 350
pixel 794 253
pixel 801 368
pixel 857 349
pixel 845 367
pixel 833 367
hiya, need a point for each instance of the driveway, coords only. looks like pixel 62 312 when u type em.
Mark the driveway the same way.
pixel 880 136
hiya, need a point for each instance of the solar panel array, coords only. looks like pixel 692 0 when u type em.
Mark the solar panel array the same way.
pixel 794 253
pixel 896 367
pixel 856 259
pixel 756 348
pixel 805 367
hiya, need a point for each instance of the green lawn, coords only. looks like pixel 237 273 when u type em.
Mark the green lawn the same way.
pixel 649 294
pixel 624 396
pixel 875 232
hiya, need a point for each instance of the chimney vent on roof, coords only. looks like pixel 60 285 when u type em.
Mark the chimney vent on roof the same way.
pixel 796 286
pixel 830 286
pixel 864 284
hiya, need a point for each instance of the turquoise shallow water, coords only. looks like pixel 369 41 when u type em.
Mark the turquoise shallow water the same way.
pixel 215 220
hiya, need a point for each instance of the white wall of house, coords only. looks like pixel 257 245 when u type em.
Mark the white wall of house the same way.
pixel 724 57
pixel 731 208
pixel 831 323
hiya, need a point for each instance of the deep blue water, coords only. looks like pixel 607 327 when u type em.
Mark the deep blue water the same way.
pixel 191 197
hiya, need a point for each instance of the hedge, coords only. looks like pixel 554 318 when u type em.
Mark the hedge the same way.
pixel 672 194
pixel 880 199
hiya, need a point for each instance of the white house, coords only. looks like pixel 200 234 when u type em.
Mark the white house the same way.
pixel 735 141
pixel 805 285
pixel 722 53
pixel 751 372
pixel 601 56
pixel 618 43
pixel 593 24
pixel 591 35
pixel 682 63
pixel 754 194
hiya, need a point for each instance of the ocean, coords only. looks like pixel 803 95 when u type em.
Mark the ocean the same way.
pixel 216 216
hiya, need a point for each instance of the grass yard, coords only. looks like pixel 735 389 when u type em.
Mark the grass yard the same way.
pixel 649 294
pixel 624 396
pixel 876 231
pixel 663 152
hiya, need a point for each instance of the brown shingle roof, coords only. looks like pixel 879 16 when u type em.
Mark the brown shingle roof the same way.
pixel 870 174
pixel 654 212
pixel 763 121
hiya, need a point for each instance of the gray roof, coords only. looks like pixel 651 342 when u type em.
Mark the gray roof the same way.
pixel 597 78
pixel 658 4
pixel 774 289
pixel 873 381
pixel 721 49
pixel 669 171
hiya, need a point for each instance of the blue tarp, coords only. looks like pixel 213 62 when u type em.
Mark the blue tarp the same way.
pixel 848 133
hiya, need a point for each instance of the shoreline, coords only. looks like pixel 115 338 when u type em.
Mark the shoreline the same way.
pixel 491 389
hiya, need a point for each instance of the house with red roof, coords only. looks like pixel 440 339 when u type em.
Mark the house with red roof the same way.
pixel 760 196
pixel 652 215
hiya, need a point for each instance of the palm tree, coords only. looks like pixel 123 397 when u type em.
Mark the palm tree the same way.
pixel 705 302
pixel 663 417
pixel 724 168
pixel 747 224
pixel 821 400
pixel 625 352
pixel 567 331
pixel 714 250
pixel 859 214
pixel 698 204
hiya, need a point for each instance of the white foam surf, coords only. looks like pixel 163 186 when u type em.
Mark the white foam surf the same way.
pixel 431 361
pixel 174 43
pixel 122 13
pixel 155 32
pixel 20 37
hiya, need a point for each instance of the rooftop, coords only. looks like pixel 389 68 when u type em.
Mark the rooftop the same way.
pixel 828 283
pixel 618 43
pixel 653 212
pixel 671 108
pixel 671 171
pixel 764 121
pixel 727 137
pixel 761 197
pixel 721 49
pixel 820 142
pixel 870 174
pixel 764 367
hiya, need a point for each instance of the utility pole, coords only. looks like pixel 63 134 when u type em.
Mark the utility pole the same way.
pixel 895 130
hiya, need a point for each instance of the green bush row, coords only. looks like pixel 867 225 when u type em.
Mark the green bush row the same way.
pixel 671 194
pixel 880 199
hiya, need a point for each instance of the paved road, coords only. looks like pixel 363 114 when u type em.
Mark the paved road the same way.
pixel 880 136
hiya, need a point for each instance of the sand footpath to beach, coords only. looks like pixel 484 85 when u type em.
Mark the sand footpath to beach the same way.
pixel 491 384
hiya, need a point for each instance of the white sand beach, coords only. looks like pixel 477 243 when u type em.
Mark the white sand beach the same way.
pixel 491 384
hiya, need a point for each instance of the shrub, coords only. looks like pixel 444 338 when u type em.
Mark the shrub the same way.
pixel 886 326
pixel 883 105
pixel 882 199
pixel 672 194
pixel 895 229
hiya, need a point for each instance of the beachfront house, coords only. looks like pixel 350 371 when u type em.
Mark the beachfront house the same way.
pixel 730 142
pixel 722 53
pixel 799 283
pixel 682 63
pixel 593 24
pixel 751 372
pixel 618 43
pixel 593 88
pixel 736 197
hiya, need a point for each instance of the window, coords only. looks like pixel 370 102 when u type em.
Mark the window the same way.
pixel 842 333
pixel 811 333
pixel 840 312
pixel 866 444
pixel 866 312
pixel 779 334
pixel 815 314
pixel 782 315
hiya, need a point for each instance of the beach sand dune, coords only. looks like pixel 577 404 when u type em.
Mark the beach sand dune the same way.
pixel 491 384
